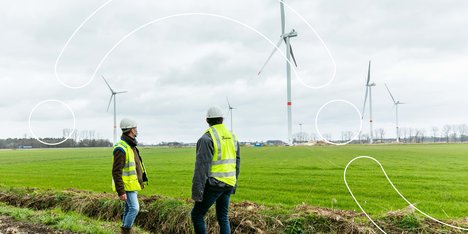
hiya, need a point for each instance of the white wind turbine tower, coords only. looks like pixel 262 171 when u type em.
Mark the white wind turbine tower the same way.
pixel 369 95
pixel 113 96
pixel 396 103
pixel 289 53
pixel 230 111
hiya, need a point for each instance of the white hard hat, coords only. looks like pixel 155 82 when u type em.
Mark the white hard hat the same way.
pixel 127 123
pixel 214 112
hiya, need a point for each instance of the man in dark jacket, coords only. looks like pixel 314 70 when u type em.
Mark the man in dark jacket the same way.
pixel 128 172
pixel 216 172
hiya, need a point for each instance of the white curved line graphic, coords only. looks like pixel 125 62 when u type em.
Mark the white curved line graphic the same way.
pixel 323 44
pixel 188 14
pixel 68 41
pixel 406 200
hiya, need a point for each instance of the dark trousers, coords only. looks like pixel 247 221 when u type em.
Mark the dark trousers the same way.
pixel 211 195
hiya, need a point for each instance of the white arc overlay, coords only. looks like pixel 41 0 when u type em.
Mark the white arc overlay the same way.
pixel 66 45
pixel 406 200
pixel 189 14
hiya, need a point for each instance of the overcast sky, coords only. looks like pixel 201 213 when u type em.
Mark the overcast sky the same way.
pixel 176 68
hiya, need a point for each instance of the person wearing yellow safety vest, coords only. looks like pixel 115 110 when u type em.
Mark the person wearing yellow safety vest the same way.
pixel 128 172
pixel 216 172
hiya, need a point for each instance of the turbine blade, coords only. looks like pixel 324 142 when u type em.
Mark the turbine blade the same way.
pixel 365 101
pixel 229 104
pixel 110 101
pixel 368 73
pixel 121 92
pixel 107 84
pixel 283 21
pixel 292 54
pixel 271 55
pixel 390 94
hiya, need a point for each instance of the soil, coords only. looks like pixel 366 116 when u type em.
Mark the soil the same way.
pixel 11 226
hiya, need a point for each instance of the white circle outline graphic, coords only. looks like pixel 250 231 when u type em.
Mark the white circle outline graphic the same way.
pixel 46 101
pixel 330 102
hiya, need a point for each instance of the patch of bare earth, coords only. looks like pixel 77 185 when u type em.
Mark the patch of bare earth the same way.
pixel 10 226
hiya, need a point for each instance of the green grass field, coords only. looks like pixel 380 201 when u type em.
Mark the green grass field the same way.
pixel 434 177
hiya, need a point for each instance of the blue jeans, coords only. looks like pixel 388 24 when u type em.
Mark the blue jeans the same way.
pixel 132 207
pixel 211 195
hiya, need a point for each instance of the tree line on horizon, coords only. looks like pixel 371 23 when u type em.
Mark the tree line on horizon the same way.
pixel 445 134
pixel 77 138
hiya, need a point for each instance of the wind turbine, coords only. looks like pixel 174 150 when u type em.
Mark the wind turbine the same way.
pixel 113 95
pixel 230 110
pixel 289 53
pixel 396 103
pixel 369 95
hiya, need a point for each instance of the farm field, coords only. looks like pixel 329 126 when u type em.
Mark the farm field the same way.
pixel 433 177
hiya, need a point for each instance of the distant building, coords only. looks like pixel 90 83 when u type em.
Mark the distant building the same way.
pixel 275 143
pixel 171 144
pixel 176 144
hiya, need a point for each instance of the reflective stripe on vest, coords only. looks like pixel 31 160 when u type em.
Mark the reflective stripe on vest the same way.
pixel 218 143
pixel 129 164
pixel 129 174
pixel 223 175
pixel 227 161
pixel 223 164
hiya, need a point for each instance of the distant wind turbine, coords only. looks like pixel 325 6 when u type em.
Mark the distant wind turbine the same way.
pixel 113 96
pixel 289 53
pixel 369 95
pixel 396 103
pixel 230 111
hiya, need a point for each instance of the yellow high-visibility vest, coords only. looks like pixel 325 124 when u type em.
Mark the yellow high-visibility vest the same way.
pixel 129 174
pixel 223 165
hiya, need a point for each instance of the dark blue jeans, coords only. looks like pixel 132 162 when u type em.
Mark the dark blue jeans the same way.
pixel 211 195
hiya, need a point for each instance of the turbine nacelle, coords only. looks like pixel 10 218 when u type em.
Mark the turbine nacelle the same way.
pixel 113 93
pixel 293 33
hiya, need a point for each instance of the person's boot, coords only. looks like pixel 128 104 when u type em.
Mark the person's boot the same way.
pixel 126 230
